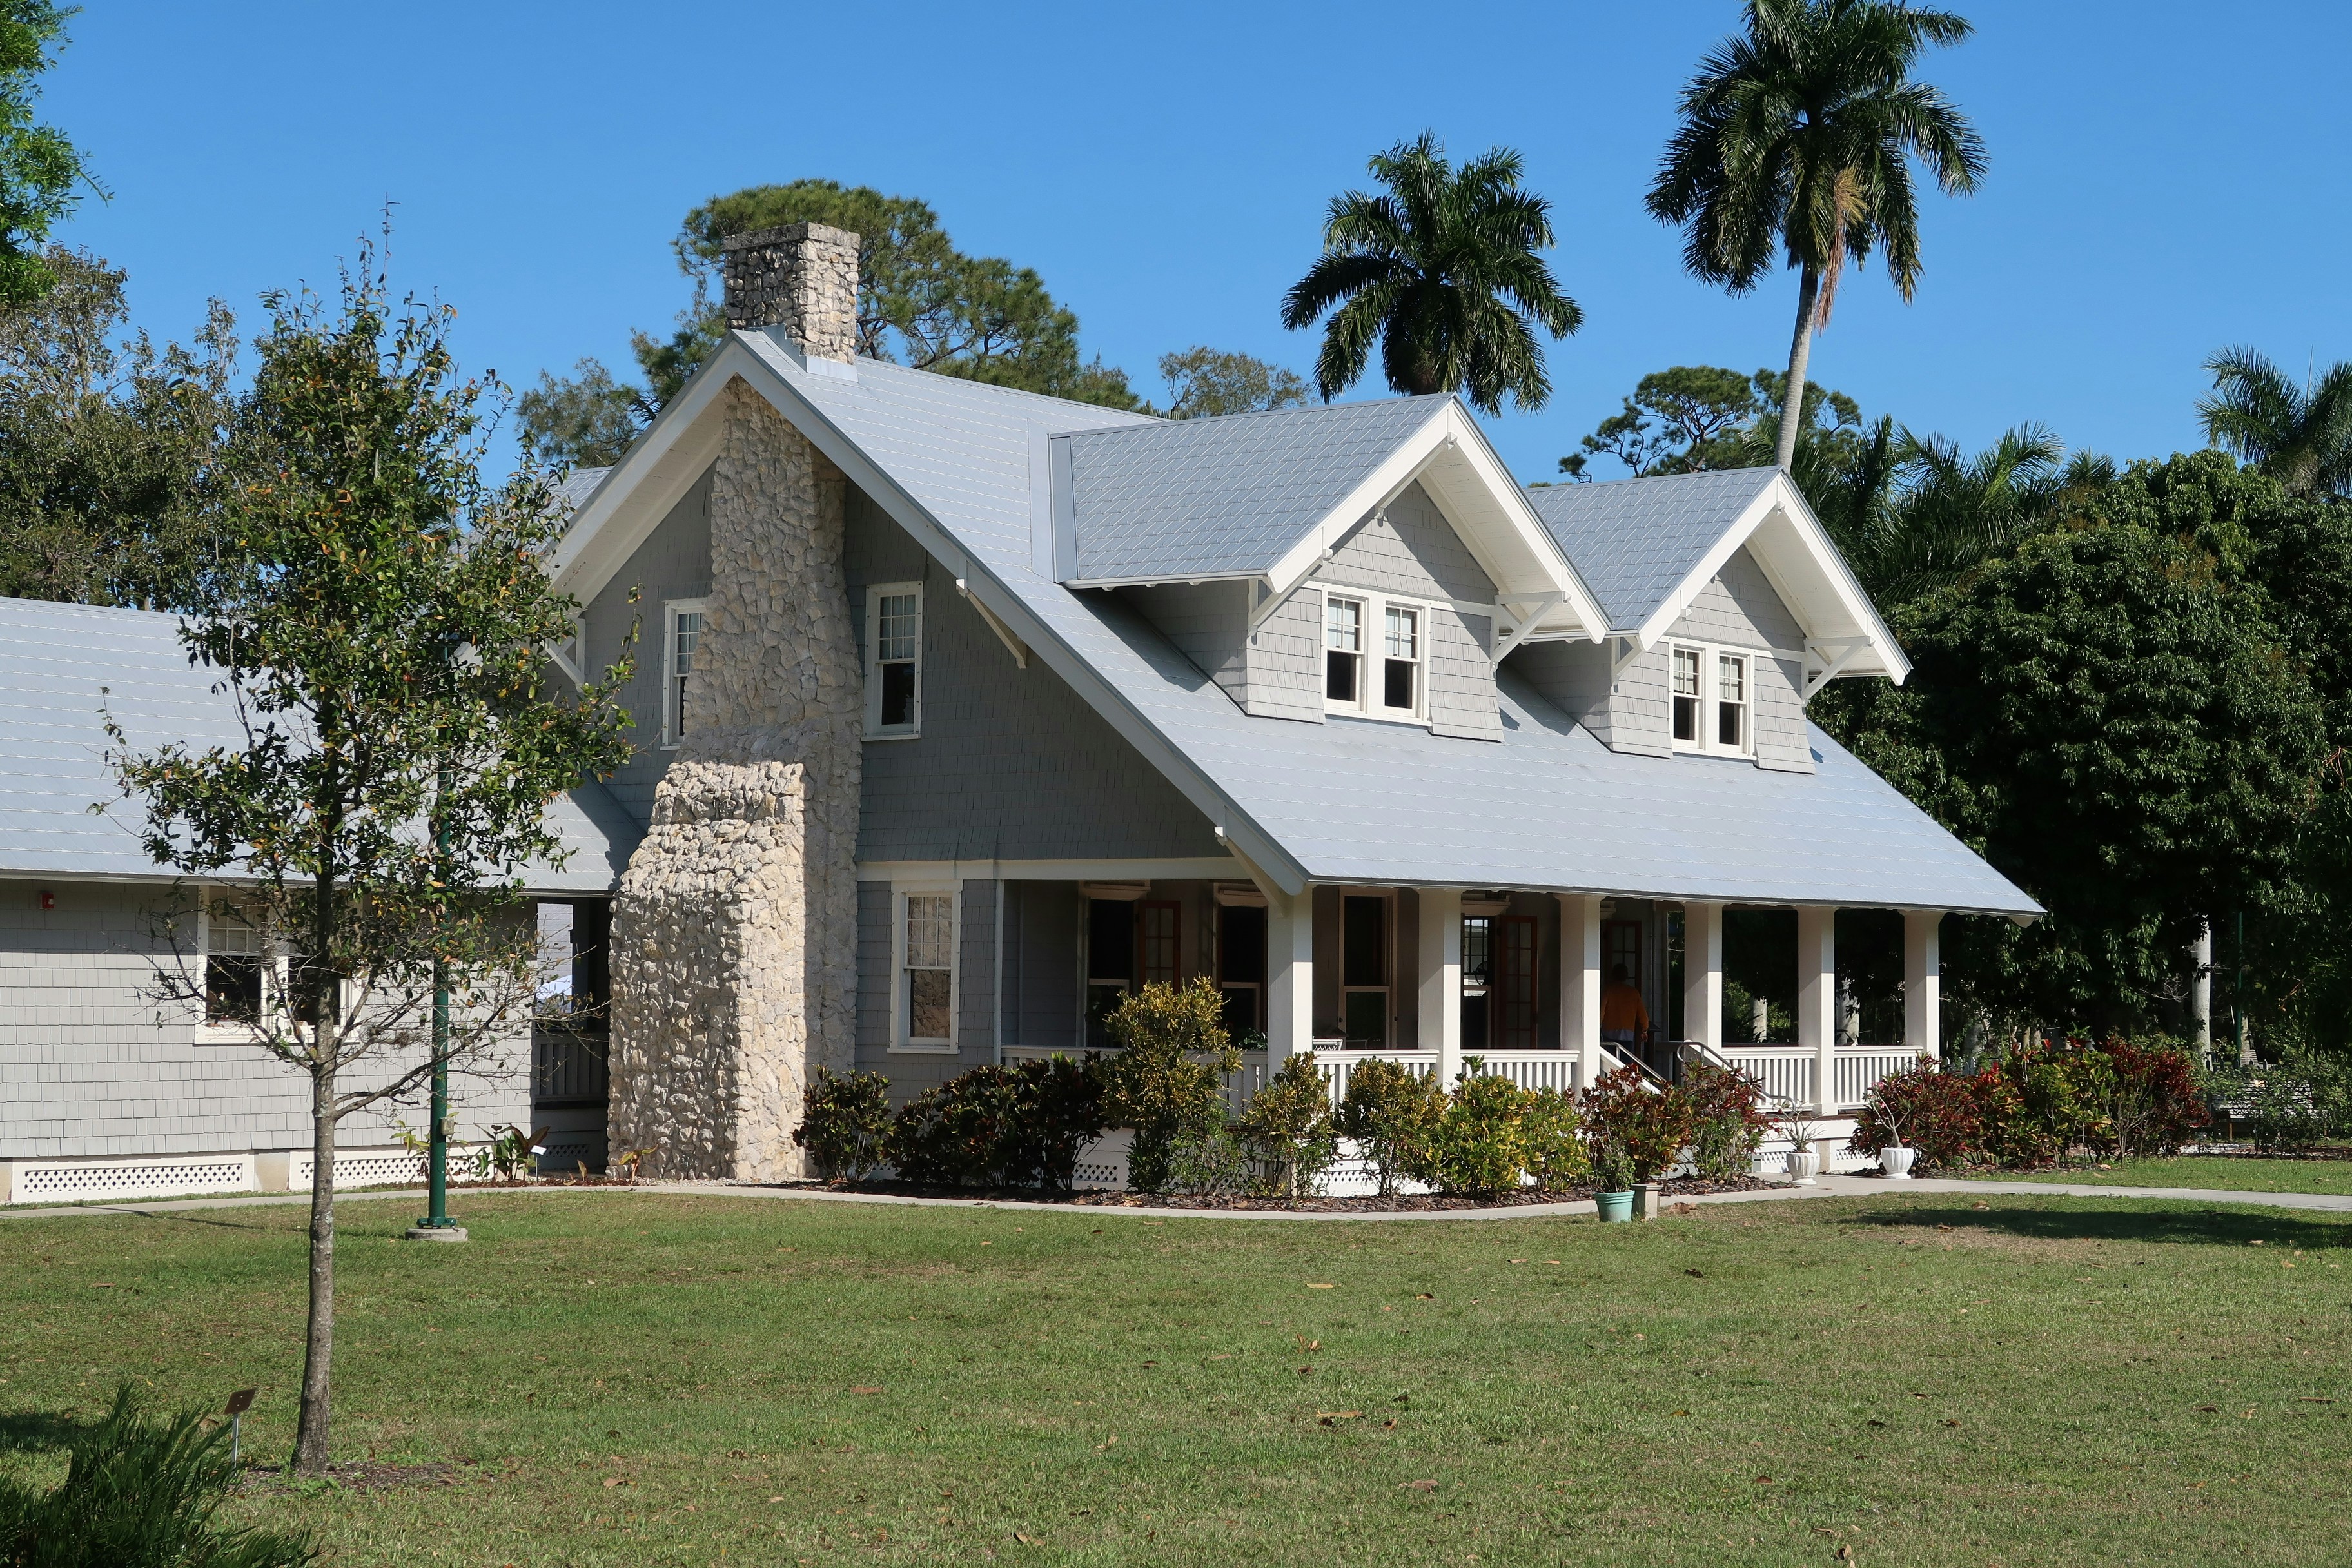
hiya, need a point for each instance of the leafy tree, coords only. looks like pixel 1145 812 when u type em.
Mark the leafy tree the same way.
pixel 1797 139
pixel 40 170
pixel 1207 382
pixel 1955 510
pixel 2300 436
pixel 105 444
pixel 1694 406
pixel 1442 271
pixel 585 422
pixel 382 639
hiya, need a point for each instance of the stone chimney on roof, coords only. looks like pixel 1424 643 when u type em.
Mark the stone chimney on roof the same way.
pixel 802 278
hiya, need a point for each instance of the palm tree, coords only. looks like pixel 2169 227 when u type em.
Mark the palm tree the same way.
pixel 2300 436
pixel 1443 270
pixel 1952 511
pixel 1798 136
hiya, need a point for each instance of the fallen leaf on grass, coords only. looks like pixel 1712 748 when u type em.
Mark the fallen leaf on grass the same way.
pixel 1424 1296
pixel 1024 1540
pixel 1417 1486
pixel 2316 1399
pixel 1763 1480
pixel 1518 1261
pixel 1305 1372
pixel 1843 1553
pixel 1682 1208
pixel 1322 1287
pixel 1681 1412
pixel 615 1480
pixel 1388 1425
pixel 1980 1206
pixel 1694 1273
pixel 775 1500
pixel 1227 1356
pixel 2210 1409
pixel 1951 1423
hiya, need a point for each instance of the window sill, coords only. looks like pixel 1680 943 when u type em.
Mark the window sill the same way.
pixel 893 735
pixel 1413 720
pixel 924 1049
pixel 228 1035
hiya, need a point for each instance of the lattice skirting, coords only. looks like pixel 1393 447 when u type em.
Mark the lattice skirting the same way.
pixel 131 1177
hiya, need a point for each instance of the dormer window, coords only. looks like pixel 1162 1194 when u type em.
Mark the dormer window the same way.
pixel 1375 657
pixel 1713 692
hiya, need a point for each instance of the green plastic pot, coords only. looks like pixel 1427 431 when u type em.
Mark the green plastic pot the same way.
pixel 1616 1208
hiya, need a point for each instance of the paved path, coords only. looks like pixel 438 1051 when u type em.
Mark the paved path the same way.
pixel 1827 1187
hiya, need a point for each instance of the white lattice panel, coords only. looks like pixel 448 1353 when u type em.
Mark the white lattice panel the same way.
pixel 380 1168
pixel 81 1181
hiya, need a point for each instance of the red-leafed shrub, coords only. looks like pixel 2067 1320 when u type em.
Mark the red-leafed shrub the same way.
pixel 2155 1106
pixel 1727 1120
pixel 1628 1118
pixel 1940 1114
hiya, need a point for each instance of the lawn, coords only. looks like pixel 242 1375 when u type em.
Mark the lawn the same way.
pixel 2229 1172
pixel 641 1379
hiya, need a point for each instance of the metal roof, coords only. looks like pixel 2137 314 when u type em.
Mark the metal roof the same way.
pixel 578 485
pixel 1225 497
pixel 1362 801
pixel 1637 541
pixel 64 666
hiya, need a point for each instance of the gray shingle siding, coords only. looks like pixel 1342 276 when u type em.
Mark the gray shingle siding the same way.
pixel 674 562
pixel 1209 623
pixel 1572 676
pixel 1414 552
pixel 91 1066
pixel 1011 764
pixel 1286 661
pixel 1740 608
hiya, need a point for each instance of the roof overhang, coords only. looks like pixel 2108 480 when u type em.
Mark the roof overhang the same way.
pixel 1844 632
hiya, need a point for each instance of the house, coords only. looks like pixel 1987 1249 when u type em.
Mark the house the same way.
pixel 963 712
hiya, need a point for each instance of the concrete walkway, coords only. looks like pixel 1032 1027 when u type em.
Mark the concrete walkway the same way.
pixel 1826 1187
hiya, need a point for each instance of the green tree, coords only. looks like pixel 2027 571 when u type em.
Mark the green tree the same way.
pixel 1442 271
pixel 1206 382
pixel 1955 510
pixel 1797 139
pixel 1692 408
pixel 105 444
pixel 41 173
pixel 381 638
pixel 2300 436
pixel 586 421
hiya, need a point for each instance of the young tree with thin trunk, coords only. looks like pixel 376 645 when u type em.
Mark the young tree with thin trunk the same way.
pixel 1796 141
pixel 379 633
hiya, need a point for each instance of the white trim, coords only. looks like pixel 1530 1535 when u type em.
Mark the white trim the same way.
pixel 874 594
pixel 1709 699
pixel 912 873
pixel 574 663
pixel 901 1043
pixel 1371 668
pixel 1013 644
pixel 1492 611
pixel 671 610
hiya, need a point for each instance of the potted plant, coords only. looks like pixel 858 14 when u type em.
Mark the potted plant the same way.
pixel 1612 1172
pixel 1894 1159
pixel 1804 1160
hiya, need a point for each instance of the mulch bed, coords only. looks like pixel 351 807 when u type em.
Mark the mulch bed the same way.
pixel 1421 1203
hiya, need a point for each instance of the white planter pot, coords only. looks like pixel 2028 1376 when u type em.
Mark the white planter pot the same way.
pixel 1896 1160
pixel 1804 1165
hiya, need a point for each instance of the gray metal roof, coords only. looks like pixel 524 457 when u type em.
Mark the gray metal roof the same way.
pixel 578 485
pixel 1550 808
pixel 1223 497
pixel 62 666
pixel 1636 540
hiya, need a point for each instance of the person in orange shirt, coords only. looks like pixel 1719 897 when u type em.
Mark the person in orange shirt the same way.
pixel 1624 1018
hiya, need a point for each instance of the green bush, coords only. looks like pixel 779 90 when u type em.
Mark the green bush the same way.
pixel 1019 1126
pixel 2048 1100
pixel 1388 1110
pixel 1167 1080
pixel 2287 1107
pixel 141 1490
pixel 1211 1163
pixel 1479 1142
pixel 846 1125
pixel 1288 1127
pixel 1727 1120
pixel 1554 1144
pixel 1648 1123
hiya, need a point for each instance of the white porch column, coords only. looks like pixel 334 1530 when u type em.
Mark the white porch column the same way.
pixel 1816 1000
pixel 1441 979
pixel 1580 983
pixel 1290 976
pixel 1703 974
pixel 1923 984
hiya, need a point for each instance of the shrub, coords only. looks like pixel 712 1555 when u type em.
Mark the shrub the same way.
pixel 1479 1142
pixel 1939 1114
pixel 846 1125
pixel 1288 1127
pixel 140 1491
pixel 2055 1100
pixel 1388 1110
pixel 1727 1120
pixel 1648 1122
pixel 1168 1079
pixel 2154 1105
pixel 1211 1163
pixel 1554 1144
pixel 2287 1106
pixel 1020 1126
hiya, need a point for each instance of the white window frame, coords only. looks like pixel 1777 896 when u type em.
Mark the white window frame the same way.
pixel 1709 698
pixel 901 999
pixel 671 610
pixel 1372 657
pixel 277 972
pixel 874 728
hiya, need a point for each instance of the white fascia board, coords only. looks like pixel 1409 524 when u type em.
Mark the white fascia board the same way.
pixel 1400 469
pixel 630 503
pixel 1853 608
pixel 765 377
pixel 1558 572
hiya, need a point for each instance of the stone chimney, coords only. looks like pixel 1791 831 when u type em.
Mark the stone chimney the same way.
pixel 802 278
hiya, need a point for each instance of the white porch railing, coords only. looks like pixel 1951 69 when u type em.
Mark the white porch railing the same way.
pixel 1787 1071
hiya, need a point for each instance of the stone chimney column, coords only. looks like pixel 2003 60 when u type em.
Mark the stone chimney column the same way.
pixel 802 278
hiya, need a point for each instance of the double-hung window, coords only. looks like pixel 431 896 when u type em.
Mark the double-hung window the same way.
pixel 681 642
pixel 1713 692
pixel 925 971
pixel 1375 656
pixel 894 659
pixel 238 971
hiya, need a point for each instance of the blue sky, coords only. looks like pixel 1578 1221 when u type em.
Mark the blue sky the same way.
pixel 2166 178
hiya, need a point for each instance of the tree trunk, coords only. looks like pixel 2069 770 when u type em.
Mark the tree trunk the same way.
pixel 1800 351
pixel 319 1347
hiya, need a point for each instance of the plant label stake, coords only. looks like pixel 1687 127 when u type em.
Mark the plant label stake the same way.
pixel 238 1404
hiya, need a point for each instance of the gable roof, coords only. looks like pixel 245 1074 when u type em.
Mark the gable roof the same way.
pixel 1649 546
pixel 63 666
pixel 964 469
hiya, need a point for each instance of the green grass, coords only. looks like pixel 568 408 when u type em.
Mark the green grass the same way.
pixel 2228 1173
pixel 1929 1378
